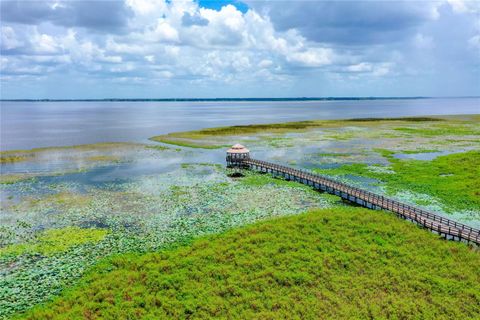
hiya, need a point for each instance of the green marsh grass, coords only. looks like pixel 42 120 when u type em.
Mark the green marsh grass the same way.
pixel 24 155
pixel 332 263
pixel 453 179
pixel 196 139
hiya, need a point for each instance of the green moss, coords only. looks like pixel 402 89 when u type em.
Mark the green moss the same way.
pixel 338 264
pixel 453 179
pixel 55 240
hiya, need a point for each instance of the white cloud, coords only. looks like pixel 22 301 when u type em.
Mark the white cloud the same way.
pixel 266 63
pixel 148 7
pixel 465 6
pixel 367 68
pixel 315 57
pixel 45 44
pixel 9 38
pixel 227 46
pixel 164 32
pixel 230 47
pixel 360 67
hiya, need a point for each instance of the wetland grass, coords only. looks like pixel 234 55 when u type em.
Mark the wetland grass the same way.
pixel 453 179
pixel 208 138
pixel 10 156
pixel 331 263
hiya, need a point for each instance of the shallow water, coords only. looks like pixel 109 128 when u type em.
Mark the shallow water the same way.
pixel 426 156
pixel 26 125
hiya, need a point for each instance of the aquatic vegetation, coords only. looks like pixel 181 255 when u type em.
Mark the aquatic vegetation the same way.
pixel 442 129
pixel 162 148
pixel 341 135
pixel 201 164
pixel 55 240
pixel 58 161
pixel 170 139
pixel 335 263
pixel 208 138
pixel 11 156
pixel 326 154
pixel 159 148
pixel 257 180
pixel 419 151
pixel 104 158
pixel 14 178
pixel 408 119
pixel 5 158
pixel 275 141
pixel 139 216
pixel 454 179
pixel 79 147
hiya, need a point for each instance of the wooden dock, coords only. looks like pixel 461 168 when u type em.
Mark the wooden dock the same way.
pixel 447 228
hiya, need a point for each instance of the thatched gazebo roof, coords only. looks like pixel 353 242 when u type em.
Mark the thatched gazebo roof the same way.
pixel 238 148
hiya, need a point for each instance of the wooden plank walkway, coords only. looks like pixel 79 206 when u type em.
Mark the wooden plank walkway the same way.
pixel 443 226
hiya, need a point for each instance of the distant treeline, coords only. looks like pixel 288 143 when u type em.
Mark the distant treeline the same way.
pixel 224 99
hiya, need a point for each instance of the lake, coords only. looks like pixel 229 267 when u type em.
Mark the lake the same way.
pixel 26 125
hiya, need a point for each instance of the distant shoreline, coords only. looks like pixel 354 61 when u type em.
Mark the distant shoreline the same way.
pixel 234 99
pixel 229 99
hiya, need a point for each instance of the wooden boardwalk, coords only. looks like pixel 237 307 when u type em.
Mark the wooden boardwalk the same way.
pixel 445 227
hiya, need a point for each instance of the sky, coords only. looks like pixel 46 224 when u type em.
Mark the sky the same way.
pixel 230 48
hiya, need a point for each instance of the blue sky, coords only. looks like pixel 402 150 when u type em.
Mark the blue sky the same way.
pixel 251 48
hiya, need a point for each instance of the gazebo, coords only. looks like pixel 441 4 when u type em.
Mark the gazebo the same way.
pixel 236 154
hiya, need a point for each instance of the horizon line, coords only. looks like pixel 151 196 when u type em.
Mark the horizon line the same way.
pixel 234 99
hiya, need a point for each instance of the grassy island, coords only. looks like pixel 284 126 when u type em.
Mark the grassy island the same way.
pixel 203 138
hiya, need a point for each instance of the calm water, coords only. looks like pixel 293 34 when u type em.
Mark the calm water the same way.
pixel 26 125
